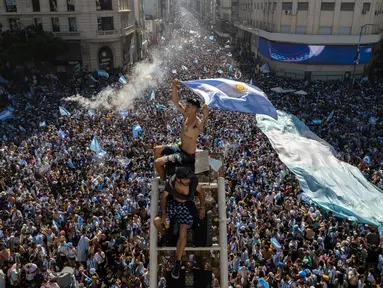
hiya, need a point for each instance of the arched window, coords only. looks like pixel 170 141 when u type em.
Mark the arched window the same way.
pixel 105 58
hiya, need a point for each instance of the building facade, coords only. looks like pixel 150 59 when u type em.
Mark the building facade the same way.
pixel 100 33
pixel 314 39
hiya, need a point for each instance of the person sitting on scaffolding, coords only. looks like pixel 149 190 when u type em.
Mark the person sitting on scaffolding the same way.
pixel 184 153
pixel 177 205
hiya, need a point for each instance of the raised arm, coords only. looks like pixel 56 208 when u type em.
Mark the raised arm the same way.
pixel 202 122
pixel 175 98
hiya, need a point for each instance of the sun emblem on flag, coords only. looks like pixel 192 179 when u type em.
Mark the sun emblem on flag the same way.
pixel 240 88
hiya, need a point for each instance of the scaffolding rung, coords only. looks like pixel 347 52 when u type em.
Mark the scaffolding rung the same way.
pixel 204 185
pixel 213 248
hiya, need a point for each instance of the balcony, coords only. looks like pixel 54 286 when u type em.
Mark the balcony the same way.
pixel 127 30
pixel 108 33
pixel 116 33
pixel 67 35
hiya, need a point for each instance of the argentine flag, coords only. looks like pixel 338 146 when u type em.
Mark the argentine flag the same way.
pixel 233 96
pixel 102 73
pixel 122 80
pixel 96 147
pixel 63 111
pixel 153 95
pixel 124 114
pixel 6 114
pixel 136 129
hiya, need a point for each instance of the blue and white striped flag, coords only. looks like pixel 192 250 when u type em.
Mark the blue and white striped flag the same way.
pixel 122 80
pixel 61 134
pixel 96 147
pixel 63 111
pixel 136 129
pixel 42 124
pixel 92 112
pixel 330 116
pixel 71 165
pixel 233 96
pixel 6 114
pixel 124 114
pixel 102 73
pixel 153 95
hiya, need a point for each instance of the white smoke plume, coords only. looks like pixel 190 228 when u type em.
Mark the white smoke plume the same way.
pixel 111 99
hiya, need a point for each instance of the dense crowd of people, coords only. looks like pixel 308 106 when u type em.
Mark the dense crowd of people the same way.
pixel 64 205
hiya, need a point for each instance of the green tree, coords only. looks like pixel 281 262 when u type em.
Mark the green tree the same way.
pixel 29 45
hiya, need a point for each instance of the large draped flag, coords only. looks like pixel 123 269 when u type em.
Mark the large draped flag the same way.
pixel 233 96
pixel 136 129
pixel 327 181
pixel 63 111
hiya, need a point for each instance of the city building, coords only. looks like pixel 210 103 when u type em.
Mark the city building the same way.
pixel 100 33
pixel 158 15
pixel 312 39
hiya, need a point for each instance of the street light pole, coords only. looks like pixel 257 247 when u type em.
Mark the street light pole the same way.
pixel 357 56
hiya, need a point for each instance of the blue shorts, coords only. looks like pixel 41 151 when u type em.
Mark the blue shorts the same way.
pixel 174 154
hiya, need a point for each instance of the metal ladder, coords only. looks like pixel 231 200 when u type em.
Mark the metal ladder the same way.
pixel 222 247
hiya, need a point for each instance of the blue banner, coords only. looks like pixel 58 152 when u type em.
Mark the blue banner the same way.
pixel 313 54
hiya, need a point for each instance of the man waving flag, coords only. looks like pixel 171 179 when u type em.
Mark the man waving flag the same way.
pixel 233 96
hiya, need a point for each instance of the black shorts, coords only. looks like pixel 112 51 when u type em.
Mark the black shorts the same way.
pixel 179 212
pixel 174 154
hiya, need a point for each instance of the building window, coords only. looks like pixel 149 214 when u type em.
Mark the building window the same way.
pixel 287 6
pixel 10 6
pixel 300 30
pixel 285 28
pixel 347 6
pixel 325 30
pixel 303 6
pixel 366 6
pixel 53 5
pixel 104 5
pixel 38 24
pixel 72 24
pixel 36 5
pixel 70 5
pixel 274 5
pixel 14 24
pixel 55 25
pixel 344 30
pixel 105 23
pixel 327 6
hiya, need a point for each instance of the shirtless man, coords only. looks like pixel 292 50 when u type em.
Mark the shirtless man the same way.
pixel 177 204
pixel 185 153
